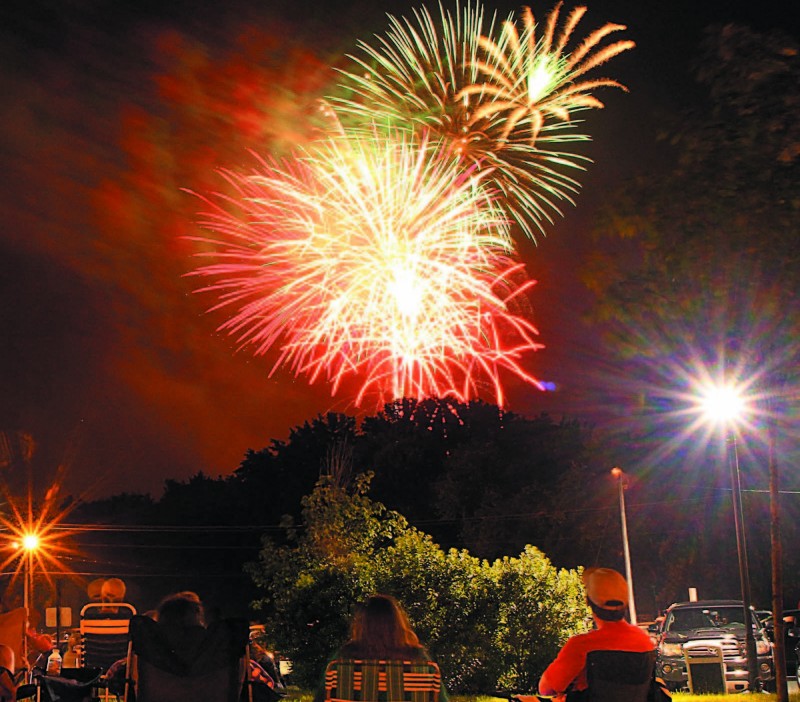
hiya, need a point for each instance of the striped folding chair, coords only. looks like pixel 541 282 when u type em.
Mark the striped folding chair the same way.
pixel 104 634
pixel 382 681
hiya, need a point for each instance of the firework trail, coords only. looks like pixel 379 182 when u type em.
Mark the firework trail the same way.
pixel 376 256
pixel 534 78
pixel 449 76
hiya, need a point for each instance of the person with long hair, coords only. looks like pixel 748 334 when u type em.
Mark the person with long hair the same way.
pixel 380 630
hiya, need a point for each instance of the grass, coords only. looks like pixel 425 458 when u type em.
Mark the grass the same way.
pixel 676 697
pixel 296 695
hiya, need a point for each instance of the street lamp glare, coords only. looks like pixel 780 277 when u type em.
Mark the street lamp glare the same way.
pixel 723 404
pixel 30 542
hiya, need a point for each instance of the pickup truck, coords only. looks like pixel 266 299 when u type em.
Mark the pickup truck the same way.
pixel 721 625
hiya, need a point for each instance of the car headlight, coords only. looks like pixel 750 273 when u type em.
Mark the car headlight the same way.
pixel 672 650
pixel 762 648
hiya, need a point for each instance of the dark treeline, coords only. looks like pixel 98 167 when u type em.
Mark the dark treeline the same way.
pixel 473 477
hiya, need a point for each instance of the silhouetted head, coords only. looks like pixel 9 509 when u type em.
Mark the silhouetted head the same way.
pixel 381 629
pixel 113 590
pixel 94 590
pixel 183 609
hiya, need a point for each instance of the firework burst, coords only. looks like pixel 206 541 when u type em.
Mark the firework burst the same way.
pixel 426 73
pixel 530 78
pixel 373 256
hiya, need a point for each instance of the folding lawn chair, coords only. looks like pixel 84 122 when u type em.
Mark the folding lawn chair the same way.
pixel 210 666
pixel 104 641
pixel 72 685
pixel 104 633
pixel 382 681
pixel 619 676
pixel 705 667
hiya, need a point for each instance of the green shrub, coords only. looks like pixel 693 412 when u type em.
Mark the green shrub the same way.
pixel 488 625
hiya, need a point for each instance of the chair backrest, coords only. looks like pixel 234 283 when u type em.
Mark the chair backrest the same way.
pixel 619 676
pixel 12 633
pixel 382 681
pixel 104 633
pixel 196 665
pixel 705 667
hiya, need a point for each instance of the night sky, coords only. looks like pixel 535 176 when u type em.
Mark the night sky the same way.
pixel 107 357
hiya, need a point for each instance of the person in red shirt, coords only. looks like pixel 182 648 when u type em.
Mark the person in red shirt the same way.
pixel 607 597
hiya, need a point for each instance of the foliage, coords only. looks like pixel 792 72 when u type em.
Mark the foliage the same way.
pixel 309 587
pixel 539 608
pixel 285 471
pixel 465 464
pixel 712 243
pixel 462 464
pixel 485 623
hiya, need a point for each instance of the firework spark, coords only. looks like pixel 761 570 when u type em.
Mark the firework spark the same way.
pixel 376 256
pixel 534 78
pixel 426 72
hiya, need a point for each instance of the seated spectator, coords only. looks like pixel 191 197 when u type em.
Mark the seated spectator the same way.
pixel 39 645
pixel 264 687
pixel 266 660
pixel 607 597
pixel 107 592
pixel 182 617
pixel 94 590
pixel 111 591
pixel 381 630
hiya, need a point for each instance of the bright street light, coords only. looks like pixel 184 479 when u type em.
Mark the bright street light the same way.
pixel 725 406
pixel 722 404
pixel 30 542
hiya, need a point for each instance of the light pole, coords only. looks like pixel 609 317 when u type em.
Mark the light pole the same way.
pixel 724 405
pixel 29 543
pixel 619 474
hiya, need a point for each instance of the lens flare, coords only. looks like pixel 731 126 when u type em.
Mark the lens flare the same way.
pixel 721 404
pixel 377 257
pixel 34 534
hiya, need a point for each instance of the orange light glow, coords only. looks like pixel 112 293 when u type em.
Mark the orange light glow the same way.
pixel 30 542
pixel 33 534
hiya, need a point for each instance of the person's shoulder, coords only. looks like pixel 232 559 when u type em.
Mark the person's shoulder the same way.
pixel 632 635
pixel 643 635
pixel 634 629
pixel 582 637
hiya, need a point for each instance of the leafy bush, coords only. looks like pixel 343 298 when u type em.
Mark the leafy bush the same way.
pixel 488 624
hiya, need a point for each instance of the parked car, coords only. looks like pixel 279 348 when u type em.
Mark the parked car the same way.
pixel 791 637
pixel 720 623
